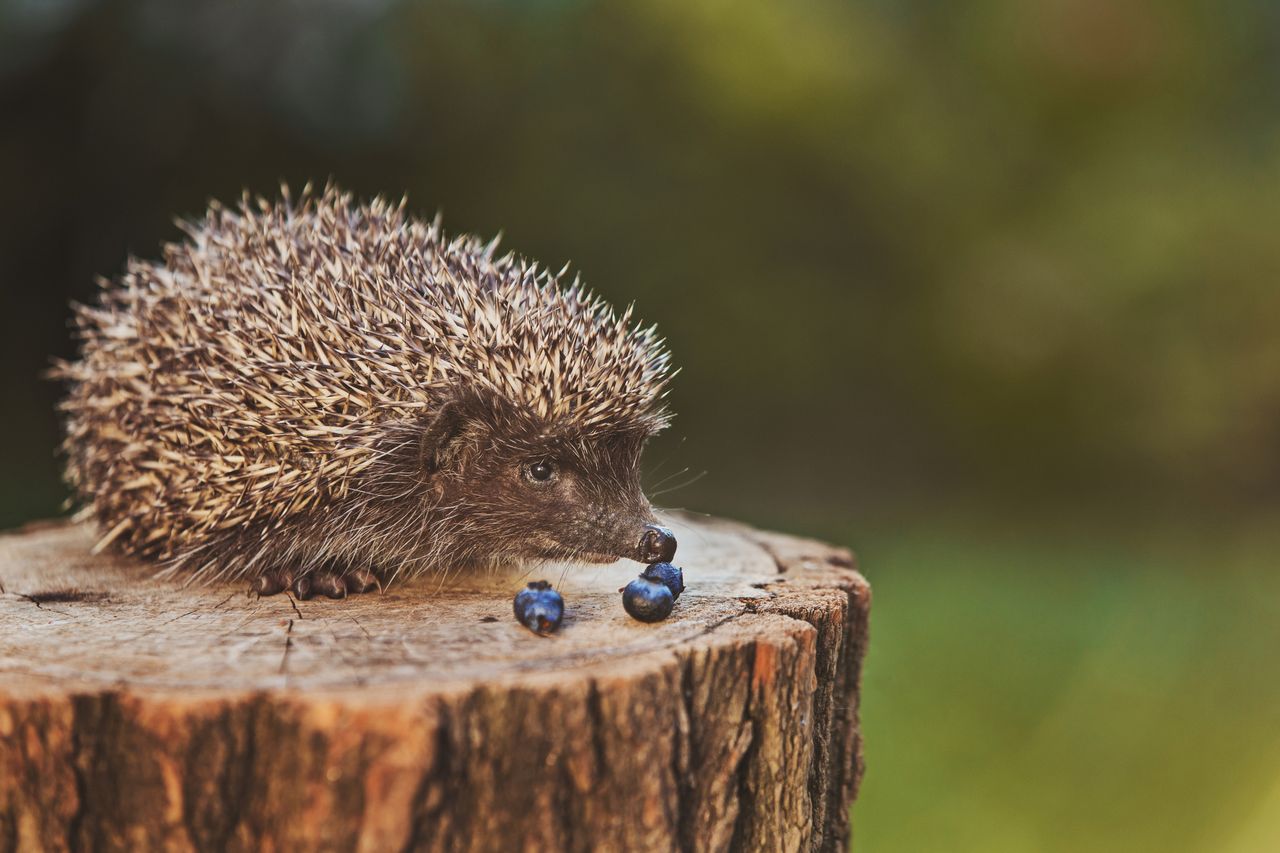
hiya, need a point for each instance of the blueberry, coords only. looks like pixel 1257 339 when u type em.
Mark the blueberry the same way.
pixel 670 576
pixel 539 608
pixel 648 601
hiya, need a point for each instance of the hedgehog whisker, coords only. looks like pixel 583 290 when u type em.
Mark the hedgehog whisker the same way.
pixel 695 478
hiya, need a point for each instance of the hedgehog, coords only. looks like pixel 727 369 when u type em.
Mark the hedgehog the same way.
pixel 321 395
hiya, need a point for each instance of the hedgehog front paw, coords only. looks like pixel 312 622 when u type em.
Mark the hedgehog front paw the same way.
pixel 270 583
pixel 307 585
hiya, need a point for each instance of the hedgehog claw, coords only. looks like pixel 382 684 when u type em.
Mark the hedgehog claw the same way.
pixel 270 583
pixel 330 585
pixel 362 580
pixel 303 588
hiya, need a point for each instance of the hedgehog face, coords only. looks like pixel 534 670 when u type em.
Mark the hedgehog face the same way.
pixel 577 501
pixel 568 500
pixel 526 491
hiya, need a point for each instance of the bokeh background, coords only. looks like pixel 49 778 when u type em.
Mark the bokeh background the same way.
pixel 988 291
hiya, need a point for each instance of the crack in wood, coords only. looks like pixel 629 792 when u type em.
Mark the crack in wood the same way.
pixel 359 625
pixel 40 605
pixel 288 646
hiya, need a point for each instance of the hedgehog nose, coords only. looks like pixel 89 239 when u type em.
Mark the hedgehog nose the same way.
pixel 657 545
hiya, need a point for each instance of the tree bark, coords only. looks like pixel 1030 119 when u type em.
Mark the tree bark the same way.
pixel 137 713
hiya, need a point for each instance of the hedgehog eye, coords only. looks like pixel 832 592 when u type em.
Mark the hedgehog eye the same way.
pixel 541 471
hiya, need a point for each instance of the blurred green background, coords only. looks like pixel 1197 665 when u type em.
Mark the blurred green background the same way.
pixel 988 291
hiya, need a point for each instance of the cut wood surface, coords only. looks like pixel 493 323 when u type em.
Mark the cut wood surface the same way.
pixel 138 713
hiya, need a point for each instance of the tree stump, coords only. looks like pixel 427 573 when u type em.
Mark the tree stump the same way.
pixel 136 713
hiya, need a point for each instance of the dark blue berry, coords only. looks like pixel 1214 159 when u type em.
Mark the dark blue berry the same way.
pixel 539 608
pixel 648 601
pixel 670 576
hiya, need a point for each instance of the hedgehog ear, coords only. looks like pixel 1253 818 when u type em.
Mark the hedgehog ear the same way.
pixel 434 447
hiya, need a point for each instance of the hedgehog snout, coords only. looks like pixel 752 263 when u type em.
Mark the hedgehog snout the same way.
pixel 657 545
